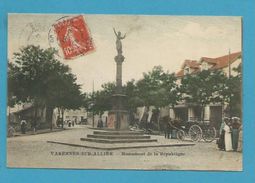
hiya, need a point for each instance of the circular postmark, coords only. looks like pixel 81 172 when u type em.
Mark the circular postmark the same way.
pixel 31 33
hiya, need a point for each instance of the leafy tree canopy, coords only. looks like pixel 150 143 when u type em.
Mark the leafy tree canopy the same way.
pixel 204 87
pixel 37 76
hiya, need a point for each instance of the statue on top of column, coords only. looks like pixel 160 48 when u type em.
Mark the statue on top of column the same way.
pixel 119 37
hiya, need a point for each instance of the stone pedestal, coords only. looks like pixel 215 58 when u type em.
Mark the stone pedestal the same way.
pixel 118 120
pixel 118 116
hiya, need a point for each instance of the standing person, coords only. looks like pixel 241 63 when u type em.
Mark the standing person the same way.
pixel 166 129
pixel 23 124
pixel 228 136
pixel 170 131
pixel 69 123
pixel 235 132
pixel 100 123
pixel 175 125
pixel 240 138
pixel 221 142
pixel 58 121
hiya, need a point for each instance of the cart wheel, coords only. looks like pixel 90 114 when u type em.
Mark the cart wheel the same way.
pixel 209 134
pixel 180 135
pixel 195 133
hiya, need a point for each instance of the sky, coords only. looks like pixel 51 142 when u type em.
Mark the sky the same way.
pixel 150 41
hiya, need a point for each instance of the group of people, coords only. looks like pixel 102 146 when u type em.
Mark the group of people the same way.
pixel 231 134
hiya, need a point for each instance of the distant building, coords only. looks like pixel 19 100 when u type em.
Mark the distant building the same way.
pixel 213 112
pixel 78 116
pixel 27 112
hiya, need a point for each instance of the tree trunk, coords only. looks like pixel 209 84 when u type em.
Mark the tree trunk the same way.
pixel 35 117
pixel 49 113
pixel 159 120
pixel 203 112
pixel 145 116
pixel 62 118
pixel 59 111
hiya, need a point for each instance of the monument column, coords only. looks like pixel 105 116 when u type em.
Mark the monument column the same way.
pixel 119 59
pixel 118 116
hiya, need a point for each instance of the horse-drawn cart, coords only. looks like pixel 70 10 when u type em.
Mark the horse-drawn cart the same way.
pixel 195 130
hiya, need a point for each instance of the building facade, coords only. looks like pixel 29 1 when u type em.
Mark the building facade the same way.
pixel 213 112
pixel 77 116
pixel 27 111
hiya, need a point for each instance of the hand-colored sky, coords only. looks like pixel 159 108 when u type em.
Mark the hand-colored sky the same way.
pixel 150 41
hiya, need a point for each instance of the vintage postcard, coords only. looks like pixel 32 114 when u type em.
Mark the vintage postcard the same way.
pixel 124 92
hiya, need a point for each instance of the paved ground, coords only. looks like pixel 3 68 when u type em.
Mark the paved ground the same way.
pixel 37 132
pixel 34 151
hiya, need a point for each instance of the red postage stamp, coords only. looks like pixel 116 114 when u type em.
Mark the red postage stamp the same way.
pixel 73 37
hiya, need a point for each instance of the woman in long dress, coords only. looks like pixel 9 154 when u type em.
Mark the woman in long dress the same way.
pixel 221 142
pixel 228 139
pixel 235 132
pixel 240 139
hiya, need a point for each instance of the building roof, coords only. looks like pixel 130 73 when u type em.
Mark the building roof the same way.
pixel 223 61
pixel 208 60
pixel 217 63
pixel 190 63
pixel 180 73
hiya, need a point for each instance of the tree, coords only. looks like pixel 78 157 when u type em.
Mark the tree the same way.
pixel 150 88
pixel 12 83
pixel 159 89
pixel 232 94
pixel 100 101
pixel 65 94
pixel 204 88
pixel 133 99
pixel 173 93
pixel 36 76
